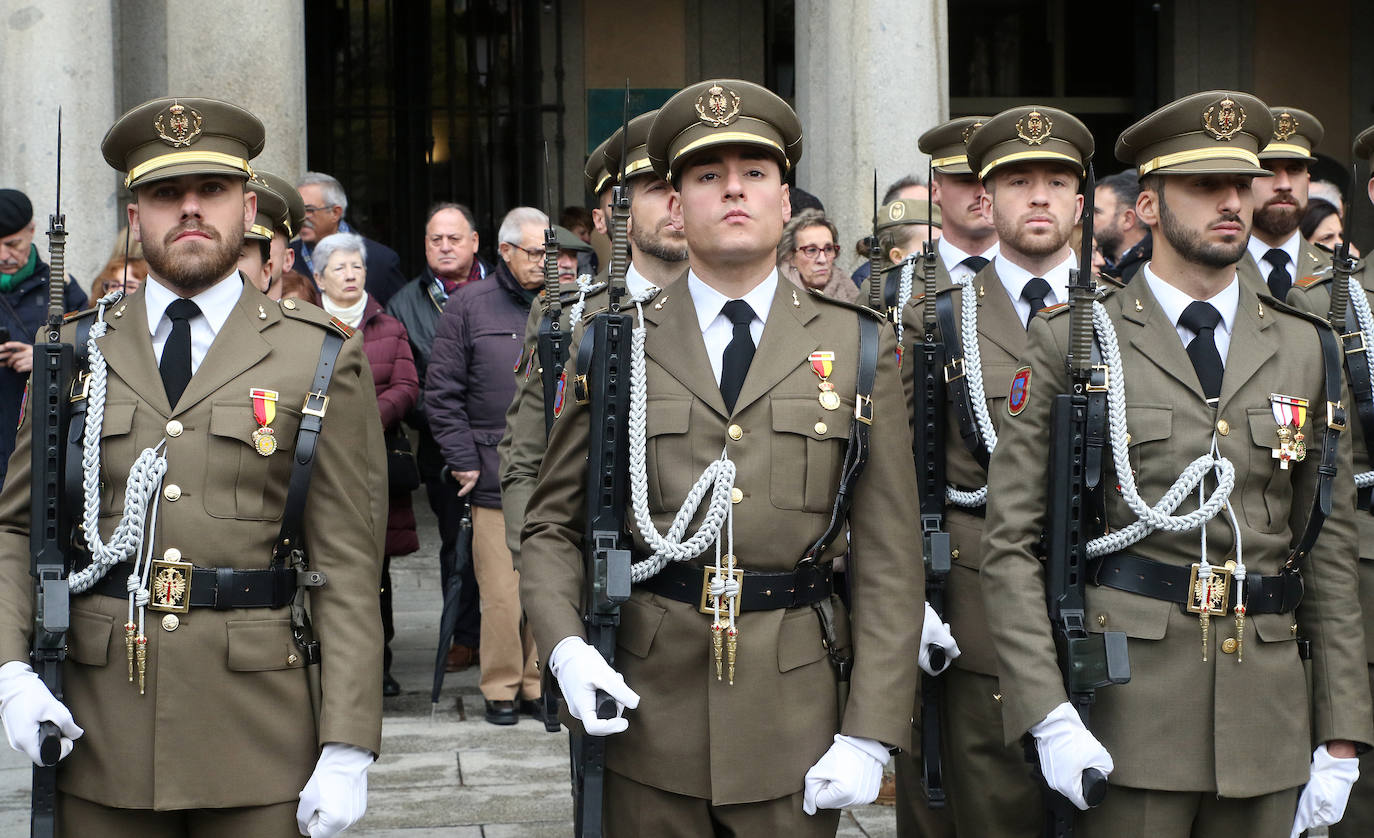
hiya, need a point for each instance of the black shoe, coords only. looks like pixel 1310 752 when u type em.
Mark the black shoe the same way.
pixel 501 713
pixel 532 707
pixel 390 686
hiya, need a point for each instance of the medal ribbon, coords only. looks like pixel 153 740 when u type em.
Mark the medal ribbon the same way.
pixel 822 363
pixel 264 406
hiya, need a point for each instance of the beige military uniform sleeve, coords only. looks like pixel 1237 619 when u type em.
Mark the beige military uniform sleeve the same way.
pixel 522 446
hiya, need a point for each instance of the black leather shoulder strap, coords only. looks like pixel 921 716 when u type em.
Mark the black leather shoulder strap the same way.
pixel 292 536
pixel 1356 345
pixel 76 417
pixel 955 379
pixel 1334 419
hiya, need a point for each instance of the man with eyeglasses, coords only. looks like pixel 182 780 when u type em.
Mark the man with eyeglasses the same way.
pixel 325 207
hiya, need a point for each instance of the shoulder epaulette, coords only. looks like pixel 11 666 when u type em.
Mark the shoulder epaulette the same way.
pixel 1309 281
pixel 863 309
pixel 1285 308
pixel 1054 310
pixel 306 313
pixel 77 315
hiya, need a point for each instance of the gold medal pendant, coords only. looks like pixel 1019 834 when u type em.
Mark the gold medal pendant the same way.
pixel 830 400
pixel 822 364
pixel 264 411
pixel 265 441
pixel 1290 412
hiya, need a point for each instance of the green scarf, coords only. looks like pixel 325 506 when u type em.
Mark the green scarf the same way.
pixel 9 282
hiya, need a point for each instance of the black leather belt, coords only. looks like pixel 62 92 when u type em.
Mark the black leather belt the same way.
pixel 684 582
pixel 220 588
pixel 1263 594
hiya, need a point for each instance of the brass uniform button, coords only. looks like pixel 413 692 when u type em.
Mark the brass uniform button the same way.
pixel 172 492
pixel 1230 564
pixel 736 495
pixel 172 554
pixel 1102 620
pixel 291 659
pixel 170 622
pixel 1293 629
pixel 735 431
pixel 1223 427
pixel 1128 439
pixel 821 428
pixel 289 305
pixel 174 428
pixel 1229 645
pixel 954 554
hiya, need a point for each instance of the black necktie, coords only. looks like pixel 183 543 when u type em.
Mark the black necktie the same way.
pixel 1280 280
pixel 176 353
pixel 1035 293
pixel 1202 319
pixel 975 263
pixel 738 352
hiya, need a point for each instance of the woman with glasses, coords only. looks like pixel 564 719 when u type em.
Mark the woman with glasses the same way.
pixel 807 254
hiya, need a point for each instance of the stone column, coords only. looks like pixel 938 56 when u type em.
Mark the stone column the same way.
pixel 872 75
pixel 251 53
pixel 60 54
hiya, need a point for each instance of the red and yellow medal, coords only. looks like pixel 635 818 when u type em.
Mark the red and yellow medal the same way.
pixel 264 411
pixel 823 364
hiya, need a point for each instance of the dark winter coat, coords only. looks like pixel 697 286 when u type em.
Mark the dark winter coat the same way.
pixel 398 387
pixel 470 384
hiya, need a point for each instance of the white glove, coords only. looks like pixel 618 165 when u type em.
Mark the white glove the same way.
pixel 580 671
pixel 336 795
pixel 936 634
pixel 1066 750
pixel 1323 800
pixel 849 774
pixel 25 701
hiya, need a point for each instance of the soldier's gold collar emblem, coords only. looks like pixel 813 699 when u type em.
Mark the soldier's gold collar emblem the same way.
pixel 718 106
pixel 1285 126
pixel 178 125
pixel 1034 128
pixel 1224 119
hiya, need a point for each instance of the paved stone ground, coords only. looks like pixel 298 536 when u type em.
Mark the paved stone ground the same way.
pixel 443 770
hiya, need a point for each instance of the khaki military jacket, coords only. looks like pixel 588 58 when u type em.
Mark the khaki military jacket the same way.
pixel 1002 344
pixel 1236 728
pixel 892 276
pixel 1313 263
pixel 226 719
pixel 754 740
pixel 1313 294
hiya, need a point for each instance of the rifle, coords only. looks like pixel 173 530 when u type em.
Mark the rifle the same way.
pixel 49 536
pixel 551 355
pixel 1087 661
pixel 875 258
pixel 1341 315
pixel 607 577
pixel 929 444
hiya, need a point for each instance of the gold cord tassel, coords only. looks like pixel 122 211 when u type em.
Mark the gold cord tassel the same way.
pixel 716 640
pixel 1205 619
pixel 142 655
pixel 1240 633
pixel 129 647
pixel 731 646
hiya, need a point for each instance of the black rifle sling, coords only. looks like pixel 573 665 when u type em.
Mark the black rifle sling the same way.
pixel 312 418
pixel 1357 370
pixel 856 451
pixel 585 349
pixel 956 380
pixel 1326 471
pixel 76 424
pixel 1095 434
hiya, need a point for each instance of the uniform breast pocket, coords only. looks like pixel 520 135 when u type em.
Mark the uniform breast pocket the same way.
pixel 997 387
pixel 807 450
pixel 668 450
pixel 1148 428
pixel 118 450
pixel 1268 491
pixel 242 483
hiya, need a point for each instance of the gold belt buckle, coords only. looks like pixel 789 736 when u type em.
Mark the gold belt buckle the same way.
pixel 171 586
pixel 707 574
pixel 1218 599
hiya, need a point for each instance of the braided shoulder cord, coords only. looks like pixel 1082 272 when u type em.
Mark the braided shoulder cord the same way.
pixel 977 395
pixel 585 286
pixel 904 284
pixel 1360 303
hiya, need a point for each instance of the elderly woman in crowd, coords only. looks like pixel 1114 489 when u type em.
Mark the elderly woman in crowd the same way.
pixel 119 273
pixel 807 254
pixel 341 272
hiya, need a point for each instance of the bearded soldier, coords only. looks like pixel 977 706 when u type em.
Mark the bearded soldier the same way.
pixel 1278 254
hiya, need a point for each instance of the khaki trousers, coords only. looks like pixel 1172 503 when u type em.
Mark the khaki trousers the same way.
pixel 1359 812
pixel 80 818
pixel 1144 813
pixel 634 810
pixel 989 786
pixel 507 643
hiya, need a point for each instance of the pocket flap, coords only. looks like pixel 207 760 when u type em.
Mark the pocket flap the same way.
pixel 639 622
pixel 1275 628
pixel 1264 431
pixel 997 380
pixel 1149 423
pixel 667 415
pixel 1138 616
pixel 118 419
pixel 804 415
pixel 799 639
pixel 261 645
pixel 88 640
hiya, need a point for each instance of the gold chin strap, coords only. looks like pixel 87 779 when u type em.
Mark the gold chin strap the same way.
pixel 178 158
pixel 1195 155
pixel 1018 156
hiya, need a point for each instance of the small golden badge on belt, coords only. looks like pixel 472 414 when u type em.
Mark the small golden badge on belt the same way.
pixel 264 411
pixel 823 364
pixel 171 586
pixel 1291 414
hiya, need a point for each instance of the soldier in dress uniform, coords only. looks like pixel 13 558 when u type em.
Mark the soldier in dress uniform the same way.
pixel 1279 254
pixel 748 376
pixel 657 254
pixel 256 262
pixel 903 227
pixel 1313 294
pixel 218 731
pixel 1220 576
pixel 1031 160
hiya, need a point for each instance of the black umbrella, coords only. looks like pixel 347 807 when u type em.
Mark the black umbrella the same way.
pixel 448 617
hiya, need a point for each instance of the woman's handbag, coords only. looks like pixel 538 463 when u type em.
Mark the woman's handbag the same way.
pixel 403 475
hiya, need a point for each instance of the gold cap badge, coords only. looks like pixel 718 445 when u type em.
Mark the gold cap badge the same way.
pixel 718 107
pixel 970 128
pixel 1034 128
pixel 896 211
pixel 178 125
pixel 1224 119
pixel 1285 126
